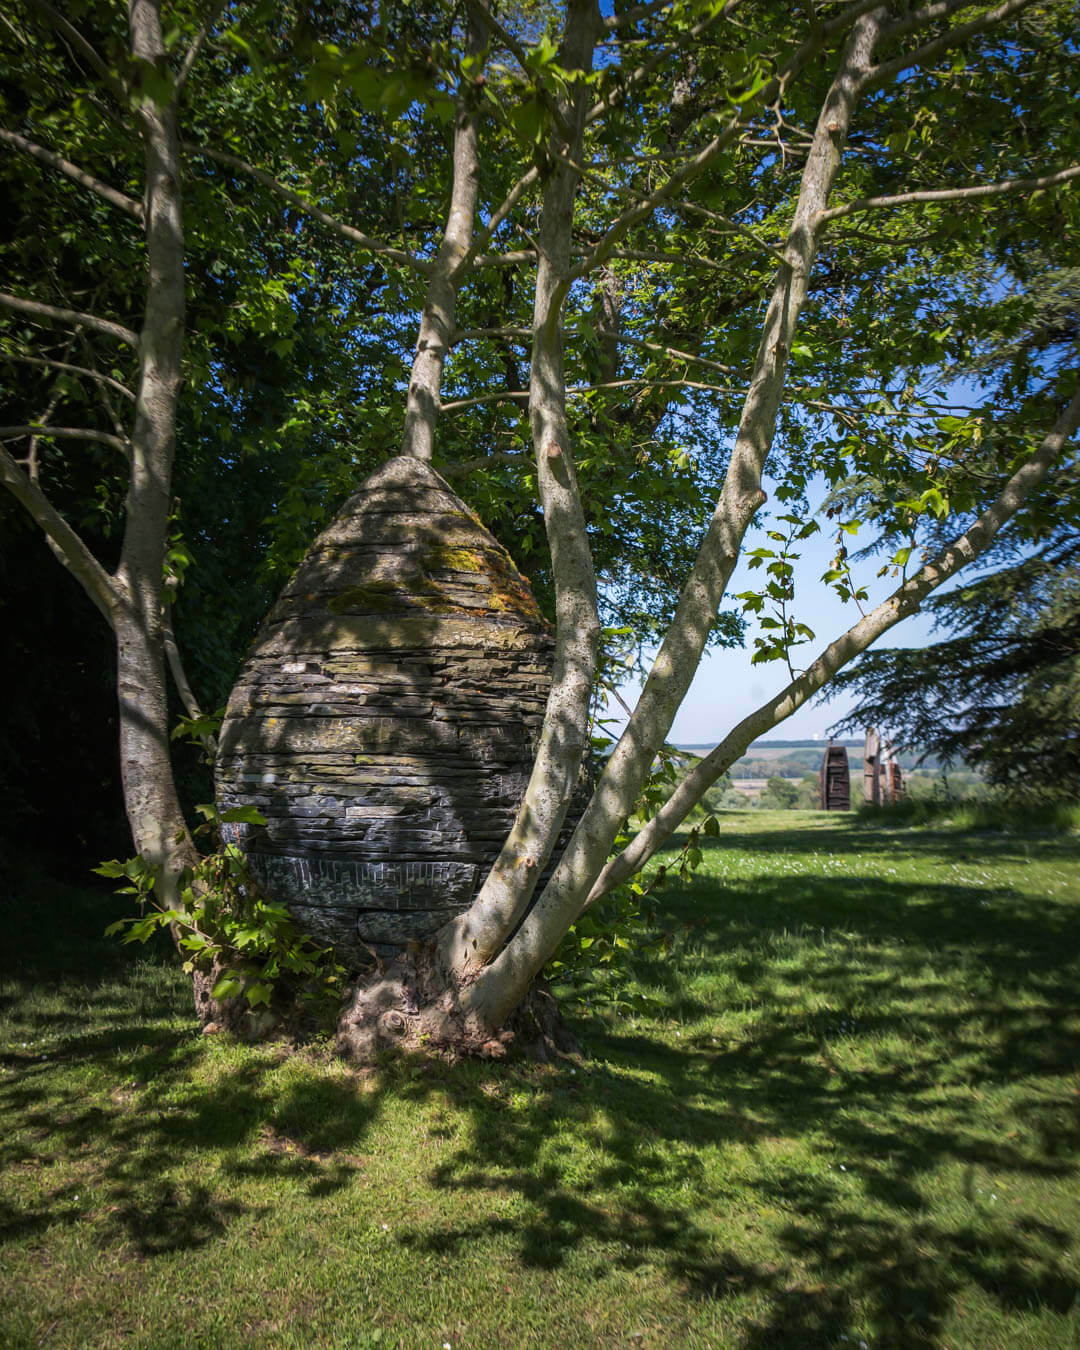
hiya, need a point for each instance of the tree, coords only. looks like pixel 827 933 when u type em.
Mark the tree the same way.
pixel 131 596
pixel 688 185
pixel 779 794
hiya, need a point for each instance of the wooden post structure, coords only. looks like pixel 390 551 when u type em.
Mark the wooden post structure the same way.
pixel 835 779
pixel 872 768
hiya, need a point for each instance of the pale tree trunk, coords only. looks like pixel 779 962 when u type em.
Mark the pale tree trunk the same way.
pixel 472 939
pixel 153 809
pixel 445 277
pixel 131 600
pixel 500 986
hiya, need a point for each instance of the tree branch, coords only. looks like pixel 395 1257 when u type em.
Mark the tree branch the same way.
pixel 74 370
pixel 646 68
pixel 477 935
pixel 65 433
pixel 709 153
pixel 88 51
pixel 522 395
pixel 65 543
pixel 180 679
pixel 422 398
pixel 883 73
pixel 517 51
pixel 975 191
pixel 584 858
pixel 905 600
pixel 339 227
pixel 68 316
pixel 624 339
pixel 196 45
pixel 733 227
pixel 87 180
pixel 483 236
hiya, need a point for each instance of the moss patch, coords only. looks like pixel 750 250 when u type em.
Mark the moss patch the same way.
pixel 446 558
pixel 382 597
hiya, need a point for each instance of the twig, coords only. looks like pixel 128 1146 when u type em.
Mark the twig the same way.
pixel 87 180
pixel 339 227
pixel 74 370
pixel 66 433
pixel 951 194
pixel 69 316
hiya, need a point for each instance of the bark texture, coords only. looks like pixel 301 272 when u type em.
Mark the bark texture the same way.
pixel 502 982
pixel 440 302
pixel 153 809
pixel 471 941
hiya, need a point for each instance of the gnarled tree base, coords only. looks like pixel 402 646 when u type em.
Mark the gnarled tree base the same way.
pixel 412 1005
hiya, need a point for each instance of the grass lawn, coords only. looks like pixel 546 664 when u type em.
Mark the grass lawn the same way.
pixel 844 1109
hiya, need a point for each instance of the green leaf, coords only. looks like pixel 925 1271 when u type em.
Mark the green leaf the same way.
pixel 246 815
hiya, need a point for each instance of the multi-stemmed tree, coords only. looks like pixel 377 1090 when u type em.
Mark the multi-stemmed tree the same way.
pixel 702 247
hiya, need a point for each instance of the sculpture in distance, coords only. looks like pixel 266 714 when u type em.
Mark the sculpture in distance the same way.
pixel 385 718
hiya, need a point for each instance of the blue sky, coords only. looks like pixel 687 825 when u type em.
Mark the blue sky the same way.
pixel 727 686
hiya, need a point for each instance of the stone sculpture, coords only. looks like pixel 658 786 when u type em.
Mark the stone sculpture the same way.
pixel 384 722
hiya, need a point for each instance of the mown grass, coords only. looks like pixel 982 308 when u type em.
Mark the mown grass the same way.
pixel 843 1108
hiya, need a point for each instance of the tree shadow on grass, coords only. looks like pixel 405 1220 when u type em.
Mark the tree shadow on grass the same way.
pixel 673 1140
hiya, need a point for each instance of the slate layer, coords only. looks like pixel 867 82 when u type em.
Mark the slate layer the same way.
pixel 385 720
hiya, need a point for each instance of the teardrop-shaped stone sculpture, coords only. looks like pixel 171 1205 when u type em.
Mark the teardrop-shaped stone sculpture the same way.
pixel 385 720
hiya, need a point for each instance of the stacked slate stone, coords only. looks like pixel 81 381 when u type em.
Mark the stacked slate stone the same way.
pixel 385 720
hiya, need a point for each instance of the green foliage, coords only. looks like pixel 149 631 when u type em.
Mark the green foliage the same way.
pixel 225 926
pixel 779 794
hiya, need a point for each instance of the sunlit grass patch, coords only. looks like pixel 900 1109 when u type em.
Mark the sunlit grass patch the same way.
pixel 842 1106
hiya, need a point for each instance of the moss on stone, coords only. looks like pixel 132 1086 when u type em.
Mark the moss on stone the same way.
pixel 386 596
pixel 447 558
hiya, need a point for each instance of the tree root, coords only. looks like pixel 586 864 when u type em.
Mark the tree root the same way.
pixel 412 1006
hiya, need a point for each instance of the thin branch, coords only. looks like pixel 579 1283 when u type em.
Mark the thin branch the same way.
pixel 32 461
pixel 660 350
pixel 87 180
pixel 180 679
pixel 921 17
pixel 529 255
pixel 339 227
pixel 87 50
pixel 63 540
pixel 643 71
pixel 459 468
pixel 103 392
pixel 951 194
pixel 197 43
pixel 883 73
pixel 66 433
pixel 576 390
pixel 483 236
pixel 734 227
pixel 616 21
pixel 710 152
pixel 517 51
pixel 524 334
pixel 68 316
pixel 74 370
